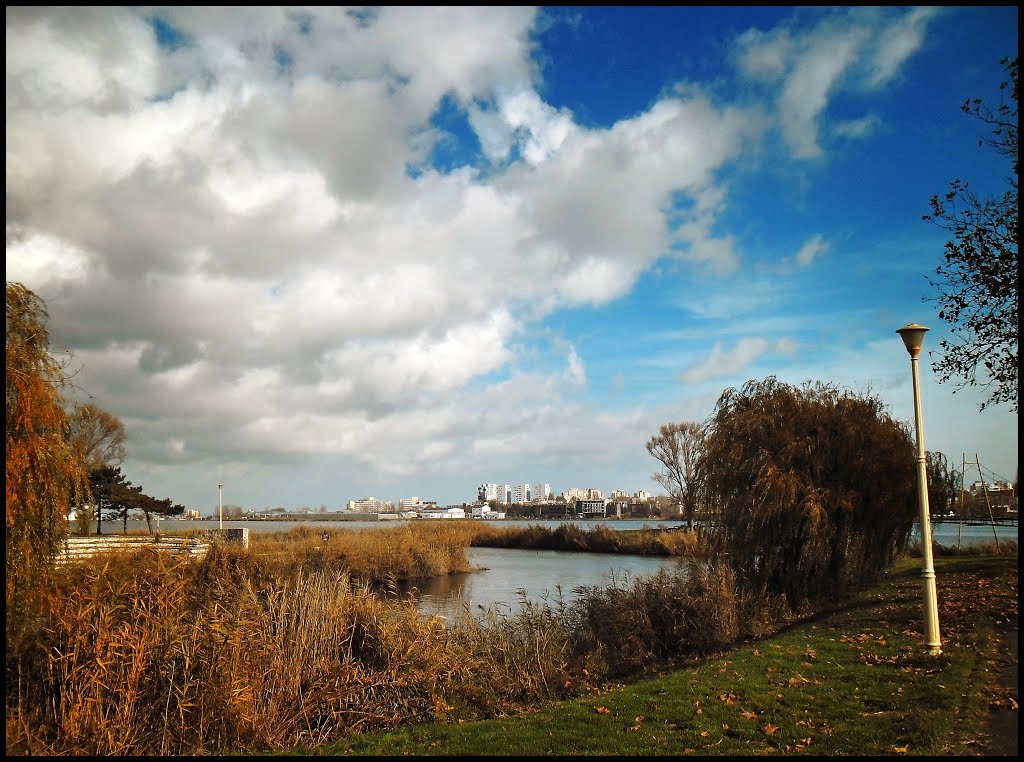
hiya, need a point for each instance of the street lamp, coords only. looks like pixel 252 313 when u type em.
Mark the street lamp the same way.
pixel 220 499
pixel 913 337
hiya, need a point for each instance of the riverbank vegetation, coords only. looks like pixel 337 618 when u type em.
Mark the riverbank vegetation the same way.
pixel 853 681
pixel 287 644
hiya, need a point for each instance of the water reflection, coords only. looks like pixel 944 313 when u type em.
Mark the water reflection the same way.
pixel 510 577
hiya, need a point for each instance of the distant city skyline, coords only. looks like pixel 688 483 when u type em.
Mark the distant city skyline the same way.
pixel 316 253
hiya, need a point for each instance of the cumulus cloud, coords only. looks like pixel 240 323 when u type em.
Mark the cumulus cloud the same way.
pixel 236 225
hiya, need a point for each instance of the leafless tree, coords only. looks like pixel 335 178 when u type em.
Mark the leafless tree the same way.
pixel 677 446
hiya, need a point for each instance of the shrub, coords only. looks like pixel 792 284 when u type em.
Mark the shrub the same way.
pixel 816 487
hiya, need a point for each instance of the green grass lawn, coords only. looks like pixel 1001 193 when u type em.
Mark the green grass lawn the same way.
pixel 856 681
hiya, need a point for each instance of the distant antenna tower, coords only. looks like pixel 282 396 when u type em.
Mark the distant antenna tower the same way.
pixel 984 490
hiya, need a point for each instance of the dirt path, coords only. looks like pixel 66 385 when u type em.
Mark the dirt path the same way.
pixel 1003 728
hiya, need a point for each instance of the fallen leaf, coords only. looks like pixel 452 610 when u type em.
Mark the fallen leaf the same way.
pixel 748 715
pixel 769 729
pixel 900 749
pixel 704 734
pixel 602 709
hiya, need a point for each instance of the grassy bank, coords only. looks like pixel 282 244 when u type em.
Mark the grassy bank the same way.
pixel 852 682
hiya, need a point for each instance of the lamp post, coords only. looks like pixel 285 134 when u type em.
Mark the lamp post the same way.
pixel 913 337
pixel 220 500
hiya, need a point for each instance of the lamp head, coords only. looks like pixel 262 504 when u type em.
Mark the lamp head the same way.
pixel 913 337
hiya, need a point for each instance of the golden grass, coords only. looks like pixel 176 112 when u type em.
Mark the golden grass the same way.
pixel 287 643
pixel 140 653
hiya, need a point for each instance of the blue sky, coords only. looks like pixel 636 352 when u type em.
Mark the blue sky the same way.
pixel 317 255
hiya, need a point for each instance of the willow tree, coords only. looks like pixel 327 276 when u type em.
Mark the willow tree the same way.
pixel 816 487
pixel 44 475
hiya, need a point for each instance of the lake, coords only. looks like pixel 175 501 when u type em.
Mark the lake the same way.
pixel 508 576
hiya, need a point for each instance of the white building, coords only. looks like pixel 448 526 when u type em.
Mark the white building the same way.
pixel 370 505
pixel 484 511
pixel 407 504
pixel 541 492
pixel 582 494
pixel 448 512
pixel 521 493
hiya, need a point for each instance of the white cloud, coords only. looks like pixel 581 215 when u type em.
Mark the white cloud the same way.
pixel 857 128
pixel 821 62
pixel 575 372
pixel 898 42
pixel 813 248
pixel 721 363
pixel 865 46
pixel 244 243
pixel 522 120
pixel 764 55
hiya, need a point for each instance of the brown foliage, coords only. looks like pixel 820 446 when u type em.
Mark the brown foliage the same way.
pixel 43 474
pixel 816 486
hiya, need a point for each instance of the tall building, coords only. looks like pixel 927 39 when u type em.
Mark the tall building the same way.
pixel 541 492
pixel 521 493
pixel 501 493
pixel 370 505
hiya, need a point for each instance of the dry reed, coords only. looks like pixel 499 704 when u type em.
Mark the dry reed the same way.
pixel 287 644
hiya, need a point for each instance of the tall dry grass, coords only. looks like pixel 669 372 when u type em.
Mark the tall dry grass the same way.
pixel 287 644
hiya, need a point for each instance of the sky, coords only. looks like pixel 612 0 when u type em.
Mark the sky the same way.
pixel 316 255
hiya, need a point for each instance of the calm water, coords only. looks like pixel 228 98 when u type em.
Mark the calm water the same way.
pixel 507 577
